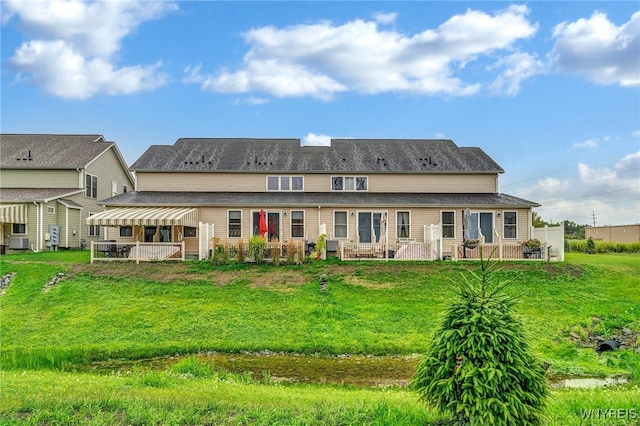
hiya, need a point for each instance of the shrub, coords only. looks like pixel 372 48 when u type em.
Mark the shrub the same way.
pixel 291 252
pixel 590 247
pixel 257 246
pixel 478 367
pixel 240 253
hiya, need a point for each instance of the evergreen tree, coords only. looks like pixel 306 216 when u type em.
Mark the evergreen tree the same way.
pixel 479 368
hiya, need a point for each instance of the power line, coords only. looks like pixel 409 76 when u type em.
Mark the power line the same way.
pixel 593 195
pixel 564 169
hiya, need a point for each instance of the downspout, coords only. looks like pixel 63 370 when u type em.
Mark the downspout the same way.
pixel 38 227
pixel 66 223
pixel 318 221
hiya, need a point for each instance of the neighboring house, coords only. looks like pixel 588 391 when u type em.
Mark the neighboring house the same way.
pixel 346 189
pixel 50 185
pixel 617 234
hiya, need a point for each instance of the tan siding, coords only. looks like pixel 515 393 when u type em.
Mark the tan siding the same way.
pixel 39 178
pixel 108 169
pixel 256 182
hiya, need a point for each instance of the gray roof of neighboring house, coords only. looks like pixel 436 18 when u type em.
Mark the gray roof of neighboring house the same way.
pixel 313 199
pixel 46 151
pixel 25 195
pixel 288 156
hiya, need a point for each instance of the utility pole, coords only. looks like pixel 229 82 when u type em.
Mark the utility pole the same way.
pixel 594 215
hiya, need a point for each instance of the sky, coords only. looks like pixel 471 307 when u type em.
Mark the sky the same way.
pixel 549 90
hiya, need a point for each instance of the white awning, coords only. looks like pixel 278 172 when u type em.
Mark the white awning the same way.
pixel 148 216
pixel 13 213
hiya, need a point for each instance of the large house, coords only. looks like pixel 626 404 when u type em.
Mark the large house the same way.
pixel 50 184
pixel 356 191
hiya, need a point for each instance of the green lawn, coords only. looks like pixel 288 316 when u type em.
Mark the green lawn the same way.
pixel 133 311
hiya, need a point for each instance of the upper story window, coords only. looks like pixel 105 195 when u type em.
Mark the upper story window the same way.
pixel 91 186
pixel 114 188
pixel 349 183
pixel 124 188
pixel 285 183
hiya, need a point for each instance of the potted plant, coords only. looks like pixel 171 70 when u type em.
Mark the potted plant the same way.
pixel 471 243
pixel 532 246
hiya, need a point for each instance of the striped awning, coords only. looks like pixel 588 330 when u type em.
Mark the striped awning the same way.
pixel 13 213
pixel 148 216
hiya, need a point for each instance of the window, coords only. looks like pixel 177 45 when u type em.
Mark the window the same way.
pixel 94 230
pixel 340 224
pixel 114 188
pixel 190 232
pixel 126 231
pixel 369 227
pixel 124 188
pixel 510 228
pixel 91 186
pixel 481 223
pixel 349 183
pixel 19 228
pixel 297 224
pixel 448 224
pixel 235 223
pixel 403 225
pixel 285 183
pixel 51 210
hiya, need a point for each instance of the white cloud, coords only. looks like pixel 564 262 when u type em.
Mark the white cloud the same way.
pixel 518 68
pixel 596 47
pixel 589 143
pixel 72 53
pixel 613 192
pixel 321 60
pixel 311 139
pixel 385 18
pixel 636 133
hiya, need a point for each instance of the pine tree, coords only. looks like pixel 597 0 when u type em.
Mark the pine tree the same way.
pixel 479 368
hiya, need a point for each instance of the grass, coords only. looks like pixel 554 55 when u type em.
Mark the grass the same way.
pixel 104 311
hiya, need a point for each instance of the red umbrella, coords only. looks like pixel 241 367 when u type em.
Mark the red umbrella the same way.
pixel 262 228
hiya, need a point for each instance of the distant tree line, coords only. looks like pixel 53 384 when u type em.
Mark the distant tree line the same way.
pixel 572 231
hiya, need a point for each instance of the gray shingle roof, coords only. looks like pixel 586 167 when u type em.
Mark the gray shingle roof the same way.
pixel 42 151
pixel 287 155
pixel 314 199
pixel 25 195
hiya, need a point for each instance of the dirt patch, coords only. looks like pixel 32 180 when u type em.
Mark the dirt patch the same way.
pixel 175 272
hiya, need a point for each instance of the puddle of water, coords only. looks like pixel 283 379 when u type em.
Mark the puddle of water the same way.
pixel 351 370
pixel 348 369
pixel 588 382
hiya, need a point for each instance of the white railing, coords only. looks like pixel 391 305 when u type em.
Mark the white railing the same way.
pixel 408 250
pixel 500 251
pixel 140 252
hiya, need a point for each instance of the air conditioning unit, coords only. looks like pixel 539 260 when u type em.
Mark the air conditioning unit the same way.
pixel 18 243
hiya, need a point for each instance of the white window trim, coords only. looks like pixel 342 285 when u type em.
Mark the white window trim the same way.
pixel 453 224
pixel 91 186
pixel 279 177
pixel 51 209
pixel 333 217
pixel 241 221
pixel 26 229
pixel 90 227
pixel 398 224
pixel 355 177
pixel 304 223
pixel 504 224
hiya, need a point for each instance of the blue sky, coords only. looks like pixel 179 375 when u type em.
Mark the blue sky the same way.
pixel 550 90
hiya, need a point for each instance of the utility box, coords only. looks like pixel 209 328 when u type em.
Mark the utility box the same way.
pixel 54 235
